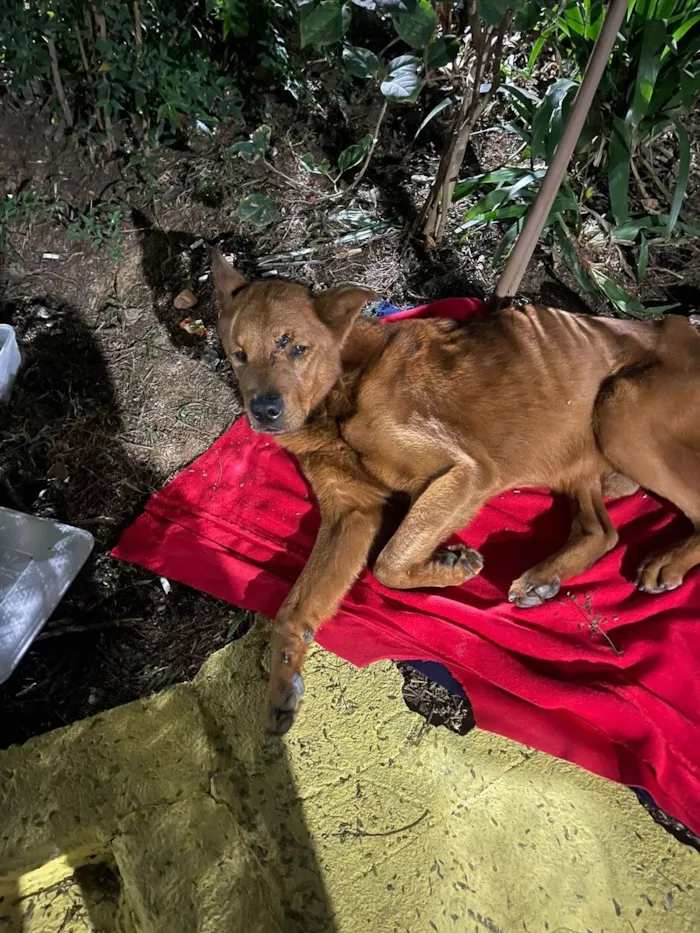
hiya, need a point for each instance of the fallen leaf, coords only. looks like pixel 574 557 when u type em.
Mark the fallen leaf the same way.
pixel 185 300
pixel 58 471
pixel 194 327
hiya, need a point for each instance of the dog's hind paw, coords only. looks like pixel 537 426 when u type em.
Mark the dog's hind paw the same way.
pixel 527 593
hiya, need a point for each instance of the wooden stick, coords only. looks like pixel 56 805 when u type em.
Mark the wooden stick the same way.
pixel 512 275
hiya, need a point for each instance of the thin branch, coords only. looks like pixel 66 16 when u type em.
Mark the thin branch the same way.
pixel 375 137
pixel 75 629
pixel 101 26
pixel 58 84
pixel 138 37
pixel 81 46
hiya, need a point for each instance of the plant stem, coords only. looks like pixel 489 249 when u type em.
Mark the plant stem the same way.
pixel 375 137
pixel 138 37
pixel 81 47
pixel 58 84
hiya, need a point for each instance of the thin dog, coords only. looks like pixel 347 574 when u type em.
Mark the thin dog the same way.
pixel 453 413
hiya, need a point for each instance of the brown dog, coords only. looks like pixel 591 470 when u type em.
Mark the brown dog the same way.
pixel 453 414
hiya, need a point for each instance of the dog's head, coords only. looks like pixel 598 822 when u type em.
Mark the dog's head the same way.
pixel 284 343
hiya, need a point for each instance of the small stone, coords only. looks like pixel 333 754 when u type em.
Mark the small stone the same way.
pixel 185 300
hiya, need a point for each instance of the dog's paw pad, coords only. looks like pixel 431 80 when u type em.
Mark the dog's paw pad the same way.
pixel 458 554
pixel 527 594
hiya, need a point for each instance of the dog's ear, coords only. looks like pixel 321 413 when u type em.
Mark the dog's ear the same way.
pixel 338 307
pixel 226 279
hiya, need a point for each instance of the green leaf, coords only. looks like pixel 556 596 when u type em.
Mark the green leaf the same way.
pixel 508 212
pixel 402 83
pixel 493 11
pixel 536 49
pixel 570 256
pixel 417 28
pixel 500 176
pixel 643 261
pixel 360 62
pixel 253 148
pixel 441 52
pixel 309 164
pixel 353 155
pixel 504 247
pixel 619 171
pixel 321 25
pixel 438 108
pixel 682 177
pixel 622 299
pixel 257 209
pixel 678 34
pixel 653 42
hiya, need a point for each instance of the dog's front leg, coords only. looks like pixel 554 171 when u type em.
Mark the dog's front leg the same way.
pixel 338 556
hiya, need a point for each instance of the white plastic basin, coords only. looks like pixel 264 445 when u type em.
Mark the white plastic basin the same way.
pixel 10 360
pixel 39 559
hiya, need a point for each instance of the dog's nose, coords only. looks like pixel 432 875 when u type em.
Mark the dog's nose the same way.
pixel 266 408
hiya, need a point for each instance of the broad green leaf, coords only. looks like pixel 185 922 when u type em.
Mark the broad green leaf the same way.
pixel 682 177
pixel 689 87
pixel 360 62
pixel 402 83
pixel 441 52
pixel 483 207
pixel 619 171
pixel 438 108
pixel 253 148
pixel 493 11
pixel 504 247
pixel 245 149
pixel 309 164
pixel 653 42
pixel 643 261
pixel 417 28
pixel 353 155
pixel 622 299
pixel 509 212
pixel 498 177
pixel 321 25
pixel 257 209
pixel 678 34
pixel 628 232
pixel 536 49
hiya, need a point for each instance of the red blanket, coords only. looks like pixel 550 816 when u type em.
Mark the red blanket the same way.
pixel 603 675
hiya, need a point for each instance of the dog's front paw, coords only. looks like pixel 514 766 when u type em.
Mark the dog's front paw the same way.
pixel 528 592
pixel 286 686
pixel 464 558
pixel 283 702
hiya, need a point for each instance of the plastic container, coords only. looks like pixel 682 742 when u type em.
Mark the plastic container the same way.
pixel 39 559
pixel 10 360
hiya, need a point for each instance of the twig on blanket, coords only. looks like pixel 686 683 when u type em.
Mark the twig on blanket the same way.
pixel 358 833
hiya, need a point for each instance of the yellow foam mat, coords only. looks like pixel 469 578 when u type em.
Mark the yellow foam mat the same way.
pixel 177 815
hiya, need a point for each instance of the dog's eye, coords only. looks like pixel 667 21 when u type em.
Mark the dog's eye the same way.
pixel 282 342
pixel 240 356
pixel 298 351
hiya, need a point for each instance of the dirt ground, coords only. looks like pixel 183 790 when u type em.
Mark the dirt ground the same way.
pixel 114 397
